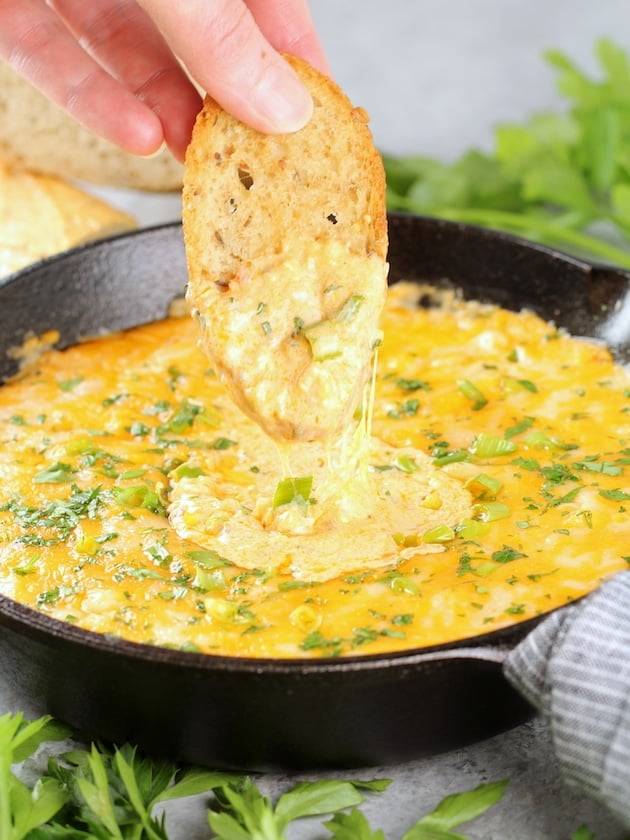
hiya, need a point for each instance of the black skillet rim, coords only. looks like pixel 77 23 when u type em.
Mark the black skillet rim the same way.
pixel 491 645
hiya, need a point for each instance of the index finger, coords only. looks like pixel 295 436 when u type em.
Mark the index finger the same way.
pixel 36 43
pixel 225 50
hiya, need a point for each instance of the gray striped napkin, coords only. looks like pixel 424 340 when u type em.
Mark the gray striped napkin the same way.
pixel 575 669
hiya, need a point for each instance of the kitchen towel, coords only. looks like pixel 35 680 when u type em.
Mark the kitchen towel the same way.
pixel 575 669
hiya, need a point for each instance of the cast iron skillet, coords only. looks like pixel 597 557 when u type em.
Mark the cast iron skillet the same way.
pixel 262 714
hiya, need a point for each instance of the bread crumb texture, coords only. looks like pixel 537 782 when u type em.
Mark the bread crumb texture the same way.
pixel 40 136
pixel 286 241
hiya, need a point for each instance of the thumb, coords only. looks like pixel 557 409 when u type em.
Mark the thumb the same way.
pixel 226 53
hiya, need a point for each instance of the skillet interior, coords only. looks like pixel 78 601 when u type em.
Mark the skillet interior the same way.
pixel 271 713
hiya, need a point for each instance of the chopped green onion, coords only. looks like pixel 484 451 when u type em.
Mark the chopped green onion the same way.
pixel 483 486
pixel 57 473
pixel 188 471
pixel 472 392
pixel 138 473
pixel 412 384
pixel 401 584
pixel 139 496
pixel 439 534
pixel 293 489
pixel 207 558
pixel 406 464
pixel 485 569
pixel 209 580
pixel 490 446
pixel 451 457
pixel 349 309
pixel 471 529
pixel 490 511
pixel 519 427
pixel 540 440
pixel 27 567
pixel 221 609
pixel 511 384
pixel 324 341
pixel 323 336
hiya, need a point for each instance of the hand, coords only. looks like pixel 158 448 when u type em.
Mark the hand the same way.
pixel 112 63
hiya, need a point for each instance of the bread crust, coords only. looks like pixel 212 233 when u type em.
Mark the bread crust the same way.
pixel 39 136
pixel 244 191
pixel 286 242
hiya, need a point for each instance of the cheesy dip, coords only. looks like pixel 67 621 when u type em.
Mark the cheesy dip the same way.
pixel 136 500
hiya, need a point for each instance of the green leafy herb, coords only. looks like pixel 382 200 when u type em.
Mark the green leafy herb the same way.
pixel 408 408
pixel 506 555
pixel 57 473
pixel 296 489
pixel 550 179
pixel 139 496
pixel 412 384
pixel 472 393
pixel 69 384
pixel 455 810
pixel 60 514
pixel 615 495
pixel 111 794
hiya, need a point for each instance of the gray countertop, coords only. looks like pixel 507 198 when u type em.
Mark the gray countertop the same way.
pixel 436 77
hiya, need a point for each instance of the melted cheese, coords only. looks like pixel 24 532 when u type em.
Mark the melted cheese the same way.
pixel 500 441
pixel 350 525
pixel 292 336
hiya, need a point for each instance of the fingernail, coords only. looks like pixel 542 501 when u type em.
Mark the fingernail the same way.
pixel 157 151
pixel 281 100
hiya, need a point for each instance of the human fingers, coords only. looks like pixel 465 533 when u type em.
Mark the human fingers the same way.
pixel 122 38
pixel 226 52
pixel 36 43
pixel 288 26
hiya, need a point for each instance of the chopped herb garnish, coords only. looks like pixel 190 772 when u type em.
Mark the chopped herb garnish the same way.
pixel 57 473
pixel 507 555
pixel 222 443
pixel 472 393
pixel 413 384
pixel 519 427
pixel 490 446
pixel 69 384
pixel 139 496
pixel 615 495
pixel 296 489
pixel 409 408
pixel 208 559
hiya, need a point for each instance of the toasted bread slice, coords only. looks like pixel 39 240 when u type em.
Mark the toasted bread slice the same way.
pixel 286 241
pixel 40 136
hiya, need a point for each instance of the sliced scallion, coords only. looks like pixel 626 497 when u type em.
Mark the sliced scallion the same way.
pixel 296 489
pixel 490 511
pixel 472 393
pixel 490 446
pixel 483 486
pixel 439 534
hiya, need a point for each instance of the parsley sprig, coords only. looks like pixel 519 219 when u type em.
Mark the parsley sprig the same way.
pixel 111 794
pixel 561 178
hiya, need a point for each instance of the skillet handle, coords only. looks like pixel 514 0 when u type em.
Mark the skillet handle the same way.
pixel 492 654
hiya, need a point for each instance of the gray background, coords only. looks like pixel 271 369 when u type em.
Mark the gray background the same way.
pixel 435 77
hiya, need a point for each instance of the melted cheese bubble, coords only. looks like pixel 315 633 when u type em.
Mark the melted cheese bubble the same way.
pixel 353 520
